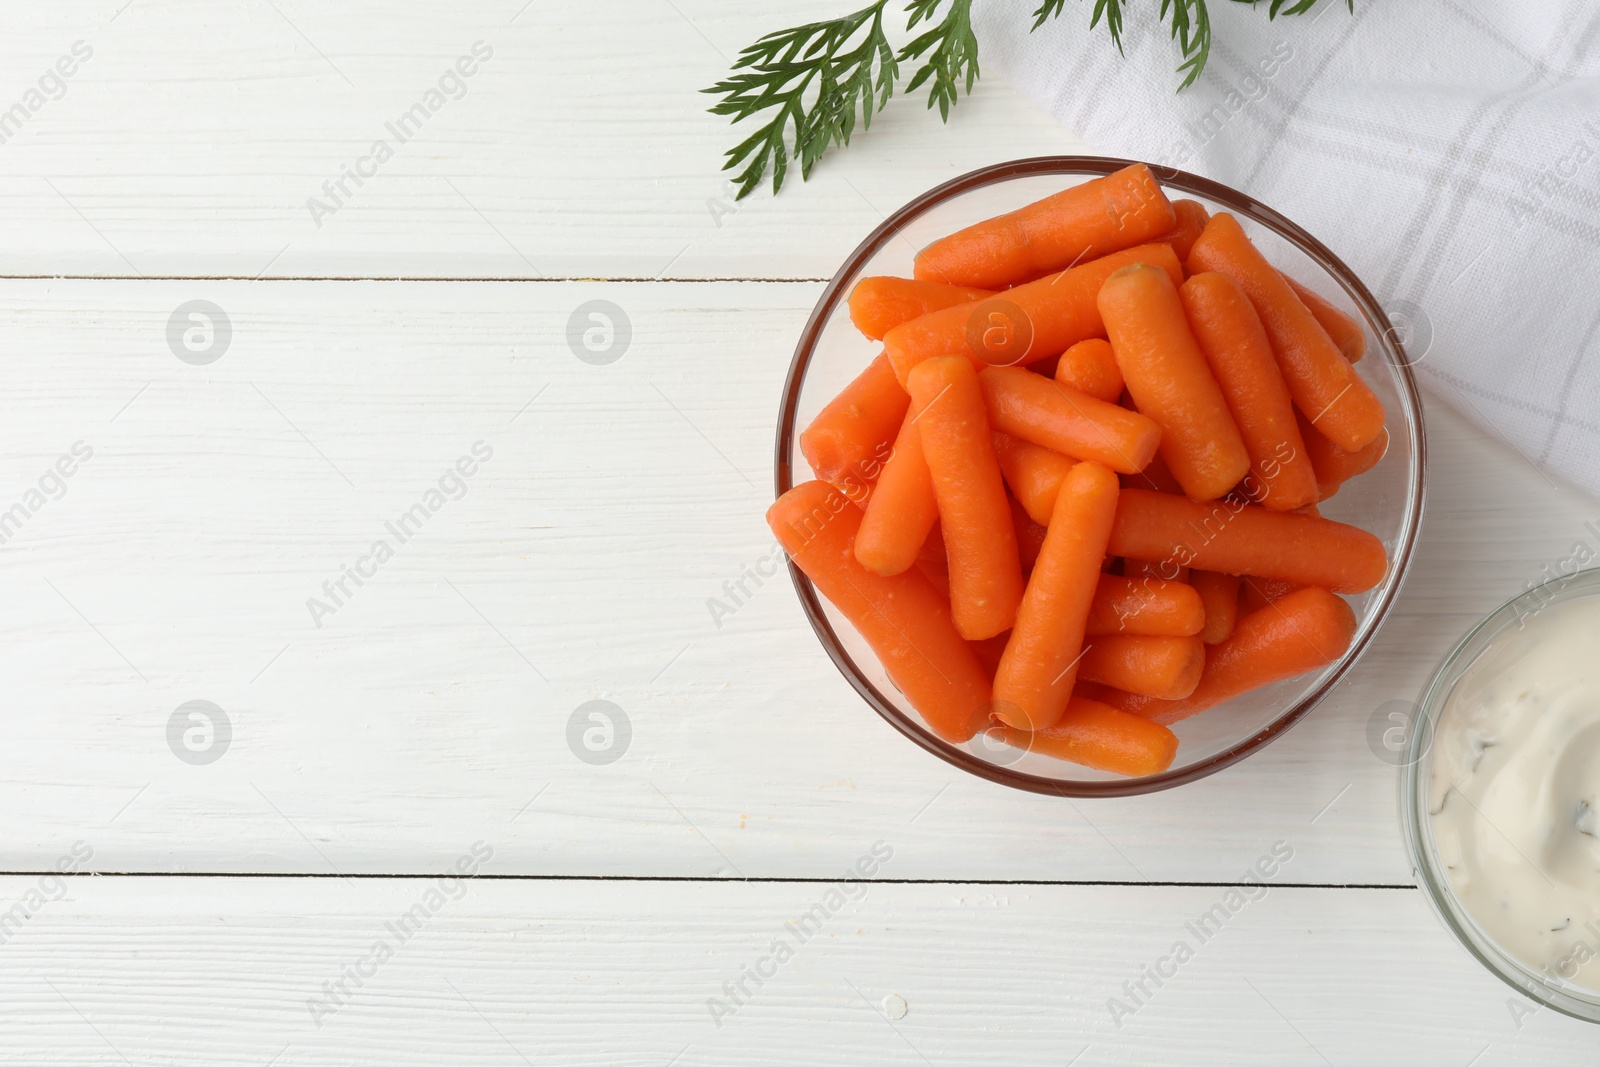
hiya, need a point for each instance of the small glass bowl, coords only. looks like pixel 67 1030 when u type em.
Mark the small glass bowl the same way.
pixel 1386 501
pixel 1417 828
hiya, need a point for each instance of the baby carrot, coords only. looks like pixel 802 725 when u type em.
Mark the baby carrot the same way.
pixel 1036 674
pixel 1256 593
pixel 1238 538
pixel 1165 667
pixel 1333 465
pixel 1307 629
pixel 1236 347
pixel 1033 472
pixel 1321 380
pixel 849 440
pixel 1030 535
pixel 1170 382
pixel 1342 329
pixel 879 304
pixel 1101 737
pixel 1122 209
pixel 1089 367
pixel 1144 606
pixel 1023 325
pixel 901 510
pixel 1032 407
pixel 979 540
pixel 1192 218
pixel 903 618
pixel 1220 595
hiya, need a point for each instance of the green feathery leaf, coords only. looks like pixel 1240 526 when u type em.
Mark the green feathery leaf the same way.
pixel 810 82
pixel 952 52
pixel 816 77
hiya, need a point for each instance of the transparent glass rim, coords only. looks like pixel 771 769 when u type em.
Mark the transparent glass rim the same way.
pixel 1417 828
pixel 1170 178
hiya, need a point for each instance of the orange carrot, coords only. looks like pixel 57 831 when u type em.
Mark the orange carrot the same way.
pixel 1342 329
pixel 1101 737
pixel 879 304
pixel 1155 476
pixel 1030 535
pixel 1102 215
pixel 1305 630
pixel 1037 672
pixel 1236 347
pixel 849 440
pixel 1170 382
pixel 1256 593
pixel 902 509
pixel 1089 367
pixel 1022 325
pixel 1220 594
pixel 1237 538
pixel 903 618
pixel 1333 465
pixel 1144 606
pixel 1321 380
pixel 1165 667
pixel 1192 218
pixel 980 542
pixel 1034 408
pixel 1033 472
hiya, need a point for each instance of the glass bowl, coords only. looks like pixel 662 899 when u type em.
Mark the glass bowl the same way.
pixel 1386 501
pixel 1417 772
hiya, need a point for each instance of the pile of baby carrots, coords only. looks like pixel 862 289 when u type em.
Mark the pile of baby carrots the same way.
pixel 1075 497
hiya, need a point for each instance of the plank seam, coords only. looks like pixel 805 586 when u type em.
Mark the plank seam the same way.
pixel 707 879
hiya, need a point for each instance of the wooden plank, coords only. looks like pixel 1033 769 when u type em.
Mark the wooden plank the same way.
pixel 196 135
pixel 227 970
pixel 435 701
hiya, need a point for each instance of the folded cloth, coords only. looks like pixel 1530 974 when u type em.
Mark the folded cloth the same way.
pixel 1449 152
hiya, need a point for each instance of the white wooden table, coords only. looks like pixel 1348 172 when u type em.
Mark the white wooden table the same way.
pixel 267 889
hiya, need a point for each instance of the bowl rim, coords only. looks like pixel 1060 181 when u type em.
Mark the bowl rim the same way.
pixel 1170 178
pixel 1416 825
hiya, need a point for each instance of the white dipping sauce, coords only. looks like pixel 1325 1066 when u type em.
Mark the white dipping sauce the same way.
pixel 1514 798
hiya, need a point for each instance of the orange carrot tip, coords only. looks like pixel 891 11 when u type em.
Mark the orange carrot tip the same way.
pixel 1170 381
pixel 879 304
pixel 1037 672
pixel 1345 331
pixel 1192 218
pixel 1033 472
pixel 1024 325
pixel 974 515
pixel 851 437
pixel 1090 367
pixel 1306 630
pixel 1091 219
pixel 1100 737
pixel 1321 380
pixel 1165 667
pixel 1219 593
pixel 1240 355
pixel 904 620
pixel 901 510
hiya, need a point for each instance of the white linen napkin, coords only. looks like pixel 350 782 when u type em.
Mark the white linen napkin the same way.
pixel 1449 152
